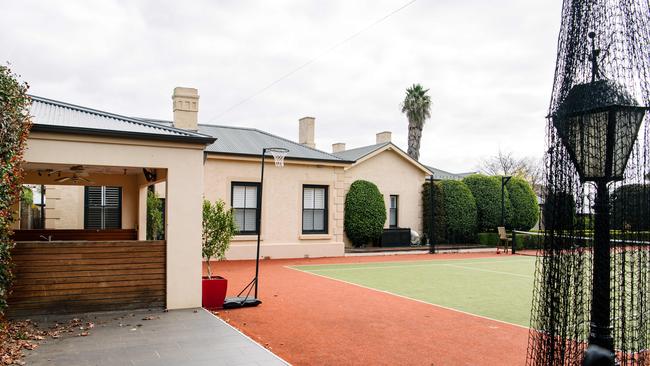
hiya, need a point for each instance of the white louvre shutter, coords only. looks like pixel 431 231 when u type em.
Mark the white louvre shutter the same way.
pixel 319 198
pixel 238 197
pixel 308 198
pixel 251 197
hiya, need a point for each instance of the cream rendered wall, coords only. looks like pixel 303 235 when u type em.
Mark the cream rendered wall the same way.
pixel 393 175
pixel 282 206
pixel 184 195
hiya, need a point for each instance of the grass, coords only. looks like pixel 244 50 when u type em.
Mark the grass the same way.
pixel 496 288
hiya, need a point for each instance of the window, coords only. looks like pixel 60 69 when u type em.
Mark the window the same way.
pixel 244 203
pixel 103 207
pixel 314 209
pixel 392 211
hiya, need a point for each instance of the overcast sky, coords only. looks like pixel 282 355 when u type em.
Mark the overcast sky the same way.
pixel 488 64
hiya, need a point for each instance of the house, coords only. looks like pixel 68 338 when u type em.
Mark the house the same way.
pixel 113 160
pixel 439 174
pixel 398 177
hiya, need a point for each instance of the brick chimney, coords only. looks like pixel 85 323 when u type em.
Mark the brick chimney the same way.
pixel 383 137
pixel 186 108
pixel 306 131
pixel 338 147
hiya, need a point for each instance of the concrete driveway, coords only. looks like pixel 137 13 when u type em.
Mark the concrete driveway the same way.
pixel 179 337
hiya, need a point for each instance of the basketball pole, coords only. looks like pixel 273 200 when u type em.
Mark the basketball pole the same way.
pixel 259 223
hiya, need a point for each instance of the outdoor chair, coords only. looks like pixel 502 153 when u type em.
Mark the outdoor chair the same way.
pixel 503 240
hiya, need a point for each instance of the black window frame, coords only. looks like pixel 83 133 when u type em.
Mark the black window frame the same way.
pixel 325 209
pixel 257 209
pixel 103 208
pixel 396 209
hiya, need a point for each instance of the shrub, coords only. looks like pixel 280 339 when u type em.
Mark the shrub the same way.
pixel 559 211
pixel 630 208
pixel 460 210
pixel 155 229
pixel 487 193
pixel 439 215
pixel 523 201
pixel 218 229
pixel 365 213
pixel 14 124
pixel 488 239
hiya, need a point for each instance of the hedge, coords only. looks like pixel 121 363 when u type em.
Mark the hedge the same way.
pixel 14 124
pixel 460 209
pixel 630 207
pixel 488 239
pixel 365 213
pixel 487 193
pixel 439 214
pixel 559 211
pixel 525 211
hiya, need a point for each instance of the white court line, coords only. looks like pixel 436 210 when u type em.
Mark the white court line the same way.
pixel 428 264
pixel 410 298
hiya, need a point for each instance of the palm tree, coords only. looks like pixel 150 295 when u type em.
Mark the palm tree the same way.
pixel 417 106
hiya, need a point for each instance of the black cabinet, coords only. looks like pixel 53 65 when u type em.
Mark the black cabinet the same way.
pixel 400 237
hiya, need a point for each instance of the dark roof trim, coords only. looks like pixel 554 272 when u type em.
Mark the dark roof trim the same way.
pixel 287 158
pixel 124 134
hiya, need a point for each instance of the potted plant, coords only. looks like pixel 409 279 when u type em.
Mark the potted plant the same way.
pixel 218 229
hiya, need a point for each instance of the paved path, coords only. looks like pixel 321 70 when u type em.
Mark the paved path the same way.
pixel 178 337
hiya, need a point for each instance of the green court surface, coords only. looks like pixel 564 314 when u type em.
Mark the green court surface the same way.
pixel 497 288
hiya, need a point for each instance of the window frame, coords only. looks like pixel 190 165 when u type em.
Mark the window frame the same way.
pixel 390 209
pixel 325 209
pixel 257 208
pixel 103 208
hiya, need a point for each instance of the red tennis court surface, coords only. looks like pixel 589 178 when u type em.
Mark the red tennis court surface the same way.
pixel 311 320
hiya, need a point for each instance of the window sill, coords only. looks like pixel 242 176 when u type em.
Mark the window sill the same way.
pixel 252 237
pixel 315 237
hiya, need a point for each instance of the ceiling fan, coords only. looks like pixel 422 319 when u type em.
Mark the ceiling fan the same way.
pixel 78 174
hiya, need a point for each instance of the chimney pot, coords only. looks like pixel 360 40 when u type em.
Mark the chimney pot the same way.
pixel 306 131
pixel 186 108
pixel 383 137
pixel 338 147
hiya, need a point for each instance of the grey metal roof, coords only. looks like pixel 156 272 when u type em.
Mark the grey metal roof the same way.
pixel 234 140
pixel 250 141
pixel 360 152
pixel 54 116
pixel 439 174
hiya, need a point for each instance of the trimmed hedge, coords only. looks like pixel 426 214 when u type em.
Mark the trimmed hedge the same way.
pixel 460 209
pixel 630 207
pixel 559 211
pixel 439 214
pixel 365 213
pixel 487 193
pixel 488 239
pixel 525 211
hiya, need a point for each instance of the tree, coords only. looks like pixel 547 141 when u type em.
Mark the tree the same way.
pixel 559 211
pixel 154 216
pixel 14 128
pixel 439 215
pixel 365 213
pixel 487 193
pixel 505 163
pixel 218 229
pixel 460 209
pixel 525 211
pixel 631 207
pixel 417 106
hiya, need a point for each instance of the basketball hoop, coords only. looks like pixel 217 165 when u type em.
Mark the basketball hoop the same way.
pixel 278 155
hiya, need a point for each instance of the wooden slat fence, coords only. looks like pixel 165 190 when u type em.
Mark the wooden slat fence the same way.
pixel 71 277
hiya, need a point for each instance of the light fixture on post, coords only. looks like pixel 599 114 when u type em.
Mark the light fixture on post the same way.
pixel 598 123
pixel 239 301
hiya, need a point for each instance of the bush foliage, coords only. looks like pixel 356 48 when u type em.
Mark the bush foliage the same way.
pixel 155 229
pixel 630 208
pixel 487 193
pixel 460 209
pixel 439 215
pixel 14 126
pixel 525 211
pixel 218 229
pixel 365 213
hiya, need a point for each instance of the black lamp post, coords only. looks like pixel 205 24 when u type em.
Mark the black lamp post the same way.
pixel 504 181
pixel 598 123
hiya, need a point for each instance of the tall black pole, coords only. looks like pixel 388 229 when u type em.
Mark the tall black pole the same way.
pixel 504 181
pixel 259 224
pixel 432 246
pixel 600 333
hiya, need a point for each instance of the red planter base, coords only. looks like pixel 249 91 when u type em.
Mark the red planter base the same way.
pixel 214 292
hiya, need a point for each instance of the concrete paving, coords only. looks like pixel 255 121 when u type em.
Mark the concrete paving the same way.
pixel 192 337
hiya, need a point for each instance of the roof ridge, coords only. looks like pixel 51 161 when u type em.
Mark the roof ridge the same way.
pixel 112 115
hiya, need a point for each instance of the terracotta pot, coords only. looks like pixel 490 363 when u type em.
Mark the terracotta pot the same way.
pixel 214 292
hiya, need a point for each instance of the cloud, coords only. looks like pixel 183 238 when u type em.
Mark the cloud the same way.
pixel 488 65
